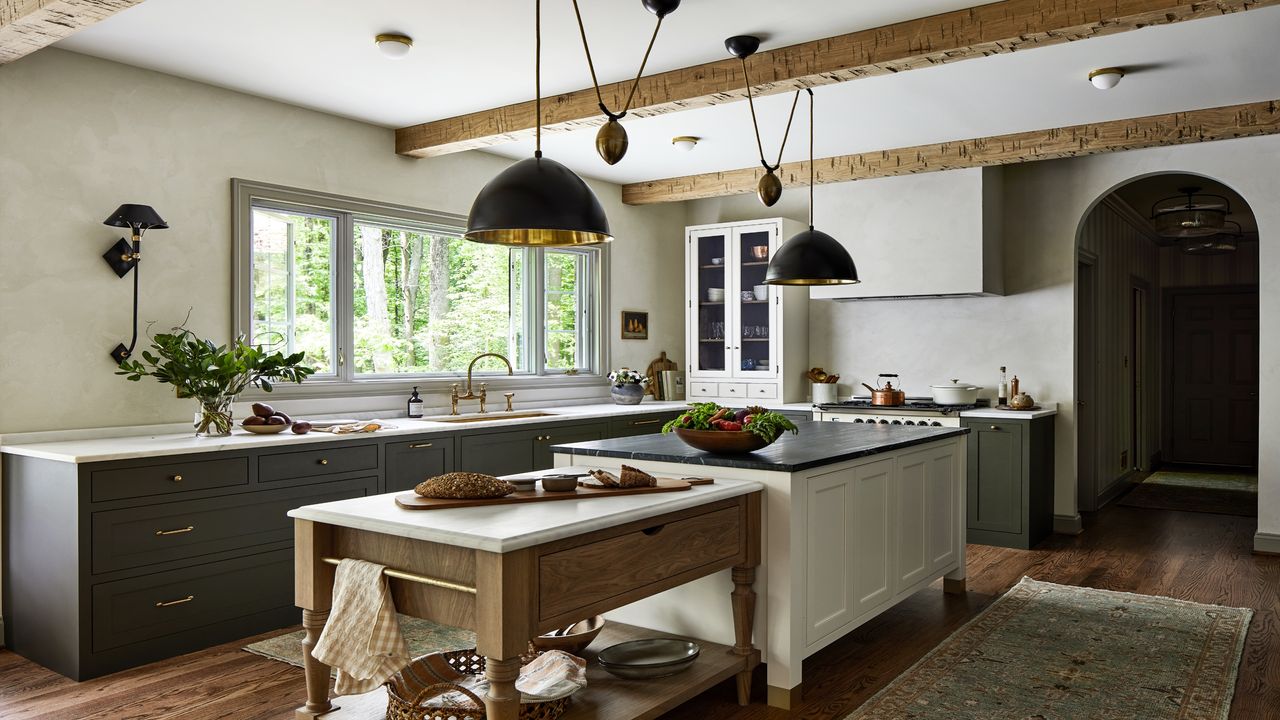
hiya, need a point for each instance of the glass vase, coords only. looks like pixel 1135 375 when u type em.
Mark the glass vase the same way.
pixel 213 416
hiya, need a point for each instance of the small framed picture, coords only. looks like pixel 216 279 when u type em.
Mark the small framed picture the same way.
pixel 635 325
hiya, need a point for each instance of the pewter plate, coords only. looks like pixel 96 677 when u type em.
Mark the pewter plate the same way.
pixel 649 658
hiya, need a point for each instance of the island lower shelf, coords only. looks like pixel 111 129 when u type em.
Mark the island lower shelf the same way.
pixel 605 697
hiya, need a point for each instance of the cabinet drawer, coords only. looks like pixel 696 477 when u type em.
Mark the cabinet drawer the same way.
pixel 766 391
pixel 175 477
pixel 733 390
pixel 580 576
pixel 702 389
pixel 640 424
pixel 133 537
pixel 167 603
pixel 325 461
pixel 409 463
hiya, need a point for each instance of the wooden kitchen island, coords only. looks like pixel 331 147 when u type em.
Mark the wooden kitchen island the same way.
pixel 511 572
pixel 856 519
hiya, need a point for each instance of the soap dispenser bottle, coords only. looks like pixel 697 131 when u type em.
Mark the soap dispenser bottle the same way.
pixel 415 404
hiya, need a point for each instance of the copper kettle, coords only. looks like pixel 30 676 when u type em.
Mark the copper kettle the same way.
pixel 887 395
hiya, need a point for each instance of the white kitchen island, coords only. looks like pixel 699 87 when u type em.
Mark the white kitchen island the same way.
pixel 856 518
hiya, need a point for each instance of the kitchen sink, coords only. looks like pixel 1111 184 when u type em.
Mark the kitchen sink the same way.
pixel 500 415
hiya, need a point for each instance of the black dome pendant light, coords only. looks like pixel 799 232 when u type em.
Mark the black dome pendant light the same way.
pixel 611 140
pixel 811 257
pixel 769 189
pixel 537 201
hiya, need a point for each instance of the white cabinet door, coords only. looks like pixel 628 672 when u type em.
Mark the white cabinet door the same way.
pixel 709 324
pixel 829 545
pixel 872 536
pixel 911 561
pixel 942 498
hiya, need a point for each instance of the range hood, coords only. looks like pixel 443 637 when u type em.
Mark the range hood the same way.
pixel 933 235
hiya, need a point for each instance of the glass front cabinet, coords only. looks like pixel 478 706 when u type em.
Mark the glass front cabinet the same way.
pixel 747 342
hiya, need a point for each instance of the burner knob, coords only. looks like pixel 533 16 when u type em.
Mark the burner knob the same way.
pixel 935 423
pixel 858 420
pixel 910 422
pixel 884 422
pixel 895 422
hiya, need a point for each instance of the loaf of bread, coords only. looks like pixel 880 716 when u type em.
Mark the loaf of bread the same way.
pixel 635 477
pixel 606 478
pixel 464 485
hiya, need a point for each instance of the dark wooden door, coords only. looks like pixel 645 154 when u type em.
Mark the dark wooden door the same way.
pixel 1086 387
pixel 498 453
pixel 1213 411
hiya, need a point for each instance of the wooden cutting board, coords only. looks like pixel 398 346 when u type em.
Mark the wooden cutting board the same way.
pixel 413 501
pixel 662 362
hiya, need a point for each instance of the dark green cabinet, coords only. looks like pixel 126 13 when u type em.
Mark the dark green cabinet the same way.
pixel 1009 500
pixel 409 463
pixel 544 459
pixel 632 425
pixel 510 452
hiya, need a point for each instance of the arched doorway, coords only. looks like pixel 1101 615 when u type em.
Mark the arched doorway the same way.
pixel 1166 333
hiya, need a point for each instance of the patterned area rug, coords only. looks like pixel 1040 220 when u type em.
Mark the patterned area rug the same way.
pixel 1055 652
pixel 423 636
pixel 1222 493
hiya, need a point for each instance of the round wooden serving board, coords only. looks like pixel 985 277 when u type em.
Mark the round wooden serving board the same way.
pixel 413 501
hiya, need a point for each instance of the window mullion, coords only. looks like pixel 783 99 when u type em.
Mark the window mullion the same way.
pixel 537 318
pixel 344 319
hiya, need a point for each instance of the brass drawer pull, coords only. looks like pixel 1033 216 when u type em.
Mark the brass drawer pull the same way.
pixel 995 427
pixel 171 603
pixel 420 446
pixel 323 461
pixel 540 438
pixel 176 478
pixel 653 530
pixel 179 531
pixel 646 422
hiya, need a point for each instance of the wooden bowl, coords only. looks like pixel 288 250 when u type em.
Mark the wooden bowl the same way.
pixel 574 641
pixel 264 429
pixel 722 442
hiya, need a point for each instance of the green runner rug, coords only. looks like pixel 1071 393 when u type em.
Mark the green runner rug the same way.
pixel 1222 493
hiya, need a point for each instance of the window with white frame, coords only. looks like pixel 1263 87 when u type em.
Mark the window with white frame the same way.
pixel 375 291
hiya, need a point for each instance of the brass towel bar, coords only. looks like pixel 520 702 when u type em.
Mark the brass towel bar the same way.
pixel 414 577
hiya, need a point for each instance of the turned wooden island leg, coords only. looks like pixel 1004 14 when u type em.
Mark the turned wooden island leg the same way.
pixel 744 614
pixel 313 592
pixel 503 700
pixel 506 600
pixel 317 673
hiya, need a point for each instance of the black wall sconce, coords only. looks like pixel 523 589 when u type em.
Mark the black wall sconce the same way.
pixel 123 257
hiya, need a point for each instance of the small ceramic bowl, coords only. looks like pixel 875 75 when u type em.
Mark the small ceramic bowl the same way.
pixel 560 483
pixel 715 294
pixel 717 261
pixel 575 639
pixel 264 429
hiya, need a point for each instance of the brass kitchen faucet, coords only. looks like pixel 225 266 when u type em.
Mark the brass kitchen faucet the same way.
pixel 454 397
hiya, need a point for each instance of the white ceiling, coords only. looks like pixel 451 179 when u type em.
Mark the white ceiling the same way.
pixel 472 56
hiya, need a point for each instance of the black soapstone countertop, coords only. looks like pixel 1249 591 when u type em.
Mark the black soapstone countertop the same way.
pixel 819 443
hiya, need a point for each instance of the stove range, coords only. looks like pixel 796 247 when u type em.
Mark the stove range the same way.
pixel 915 411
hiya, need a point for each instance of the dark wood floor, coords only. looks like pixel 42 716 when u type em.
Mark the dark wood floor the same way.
pixel 1193 556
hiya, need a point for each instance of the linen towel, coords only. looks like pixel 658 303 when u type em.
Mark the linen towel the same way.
pixel 362 638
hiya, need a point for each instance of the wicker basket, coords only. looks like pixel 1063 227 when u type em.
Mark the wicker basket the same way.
pixel 437 674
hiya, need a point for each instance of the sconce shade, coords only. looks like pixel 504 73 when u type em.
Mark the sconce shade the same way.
pixel 138 217
pixel 539 202
pixel 811 257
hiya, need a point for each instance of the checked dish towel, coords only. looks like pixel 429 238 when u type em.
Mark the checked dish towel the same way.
pixel 362 638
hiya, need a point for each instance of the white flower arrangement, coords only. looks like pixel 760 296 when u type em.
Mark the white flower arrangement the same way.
pixel 626 376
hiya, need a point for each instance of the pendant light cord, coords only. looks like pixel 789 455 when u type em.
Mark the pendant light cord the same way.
pixel 810 91
pixel 537 76
pixel 756 125
pixel 582 30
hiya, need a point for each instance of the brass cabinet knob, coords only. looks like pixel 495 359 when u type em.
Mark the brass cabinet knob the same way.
pixel 176 478
pixel 995 427
pixel 324 461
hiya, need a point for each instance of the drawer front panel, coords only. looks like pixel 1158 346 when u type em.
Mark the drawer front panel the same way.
pixel 175 477
pixel 327 461
pixel 144 608
pixel 762 390
pixel 702 389
pixel 580 576
pixel 139 536
pixel 409 463
pixel 733 390
pixel 640 424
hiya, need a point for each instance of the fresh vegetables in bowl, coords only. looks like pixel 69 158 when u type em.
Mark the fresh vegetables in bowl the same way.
pixel 708 426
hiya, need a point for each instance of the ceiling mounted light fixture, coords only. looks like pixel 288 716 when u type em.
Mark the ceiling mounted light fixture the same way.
pixel 769 189
pixel 393 45
pixel 1224 242
pixel 1106 78
pixel 811 257
pixel 611 140
pixel 537 201
pixel 684 143
pixel 1190 214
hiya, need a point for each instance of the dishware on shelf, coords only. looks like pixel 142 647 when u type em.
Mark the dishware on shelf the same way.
pixel 572 639
pixel 748 364
pixel 649 658
pixel 715 294
pixel 760 252
pixel 717 261
pixel 748 295
pixel 722 442
pixel 762 292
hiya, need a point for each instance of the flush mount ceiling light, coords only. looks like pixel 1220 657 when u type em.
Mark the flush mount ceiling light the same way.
pixel 393 45
pixel 811 257
pixel 611 140
pixel 1224 242
pixel 769 189
pixel 684 143
pixel 1106 78
pixel 537 201
pixel 1190 214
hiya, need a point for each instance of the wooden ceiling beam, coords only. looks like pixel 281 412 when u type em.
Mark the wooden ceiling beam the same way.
pixel 1000 27
pixel 1220 123
pixel 29 25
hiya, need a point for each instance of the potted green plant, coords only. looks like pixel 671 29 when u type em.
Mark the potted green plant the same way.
pixel 627 386
pixel 214 375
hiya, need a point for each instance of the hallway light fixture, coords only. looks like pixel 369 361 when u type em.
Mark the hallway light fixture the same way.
pixel 123 257
pixel 611 140
pixel 1224 242
pixel 1190 214
pixel 537 201
pixel 811 257
pixel 769 188
pixel 1106 78
pixel 393 45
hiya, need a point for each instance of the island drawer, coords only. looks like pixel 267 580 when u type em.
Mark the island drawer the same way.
pixel 702 389
pixel 168 478
pixel 309 463
pixel 134 537
pixel 733 390
pixel 598 571
pixel 167 603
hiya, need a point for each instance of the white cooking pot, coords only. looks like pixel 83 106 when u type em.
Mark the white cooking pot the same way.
pixel 955 393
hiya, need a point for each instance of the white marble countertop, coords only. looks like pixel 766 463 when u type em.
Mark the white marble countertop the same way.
pixel 84 446
pixel 503 528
